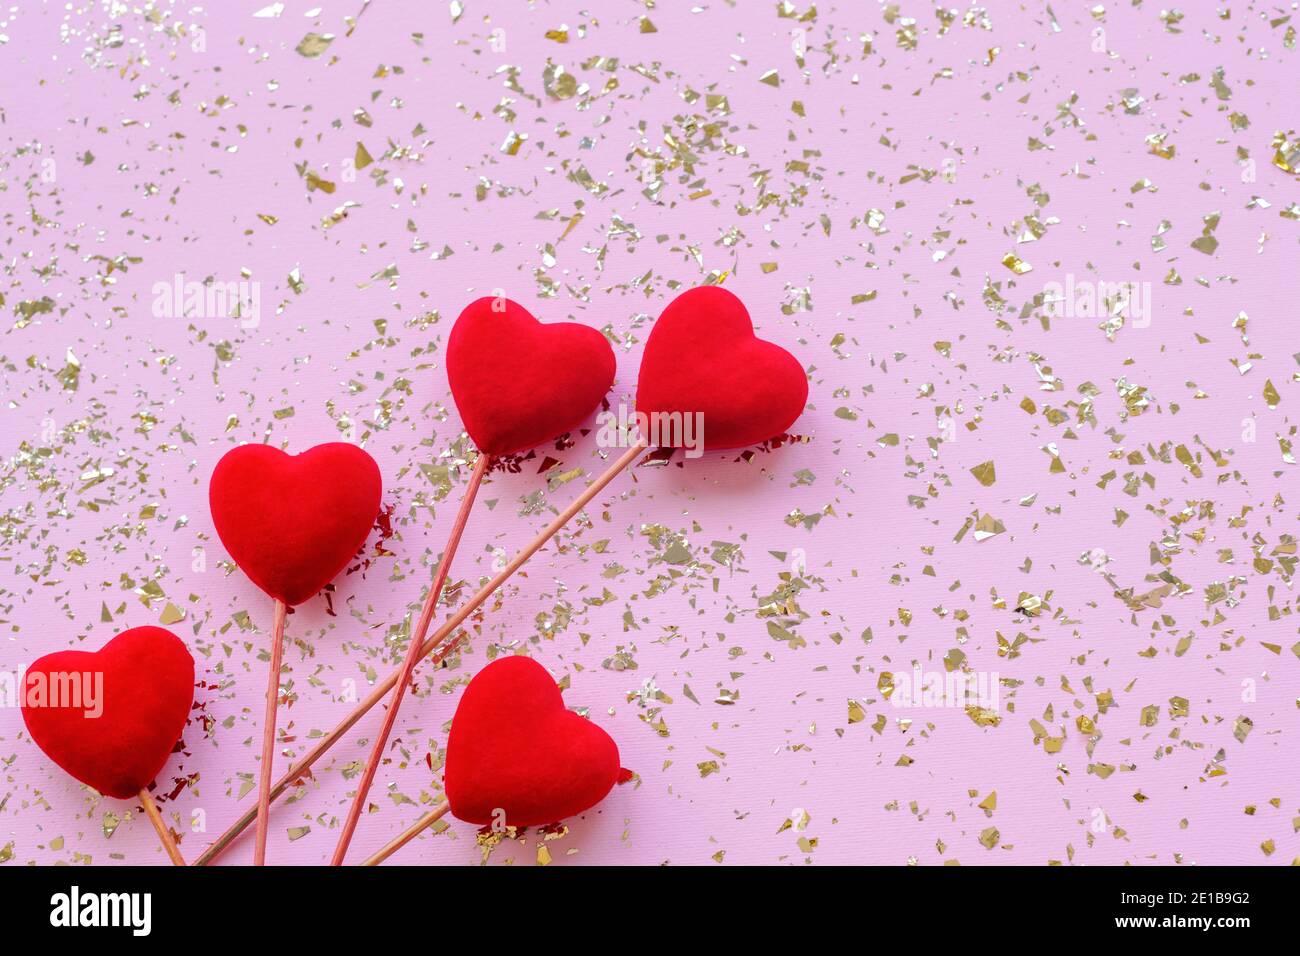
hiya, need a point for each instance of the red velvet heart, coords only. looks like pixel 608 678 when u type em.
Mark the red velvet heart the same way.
pixel 292 522
pixel 111 718
pixel 703 358
pixel 513 747
pixel 519 382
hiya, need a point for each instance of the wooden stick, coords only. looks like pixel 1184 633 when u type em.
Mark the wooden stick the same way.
pixel 426 821
pixel 168 841
pixel 268 733
pixel 381 690
pixel 413 656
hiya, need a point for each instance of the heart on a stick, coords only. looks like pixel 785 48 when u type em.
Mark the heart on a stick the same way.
pixel 293 522
pixel 518 382
pixel 705 370
pixel 515 755
pixel 112 717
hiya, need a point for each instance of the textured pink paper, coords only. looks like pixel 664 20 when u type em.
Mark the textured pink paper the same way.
pixel 195 132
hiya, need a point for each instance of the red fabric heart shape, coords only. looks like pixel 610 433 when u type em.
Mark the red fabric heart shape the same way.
pixel 518 382
pixel 703 359
pixel 293 522
pixel 112 717
pixel 514 747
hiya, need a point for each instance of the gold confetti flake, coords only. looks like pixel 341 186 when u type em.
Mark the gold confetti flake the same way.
pixel 986 526
pixel 985 474
pixel 513 142
pixel 1016 264
pixel 1286 156
pixel 314 44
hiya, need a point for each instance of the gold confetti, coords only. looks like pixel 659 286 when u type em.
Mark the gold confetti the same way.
pixel 985 474
pixel 314 44
pixel 1016 264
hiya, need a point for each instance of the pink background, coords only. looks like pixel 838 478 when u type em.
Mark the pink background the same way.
pixel 197 123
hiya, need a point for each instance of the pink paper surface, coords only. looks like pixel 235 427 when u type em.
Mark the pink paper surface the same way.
pixel 728 621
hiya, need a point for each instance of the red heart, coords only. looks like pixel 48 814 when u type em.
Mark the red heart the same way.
pixel 519 382
pixel 514 748
pixel 292 522
pixel 141 686
pixel 702 358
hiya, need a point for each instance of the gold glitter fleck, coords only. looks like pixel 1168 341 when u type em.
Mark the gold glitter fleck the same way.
pixel 1287 152
pixel 314 44
pixel 1016 264
pixel 985 474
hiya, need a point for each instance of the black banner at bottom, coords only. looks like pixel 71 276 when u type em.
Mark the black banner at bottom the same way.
pixel 217 906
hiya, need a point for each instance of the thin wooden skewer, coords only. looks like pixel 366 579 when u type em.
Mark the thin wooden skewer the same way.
pixel 413 656
pixel 381 690
pixel 426 821
pixel 268 733
pixel 168 841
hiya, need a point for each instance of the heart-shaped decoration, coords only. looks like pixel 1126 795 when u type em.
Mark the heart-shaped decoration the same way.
pixel 704 371
pixel 518 382
pixel 515 750
pixel 111 718
pixel 292 522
